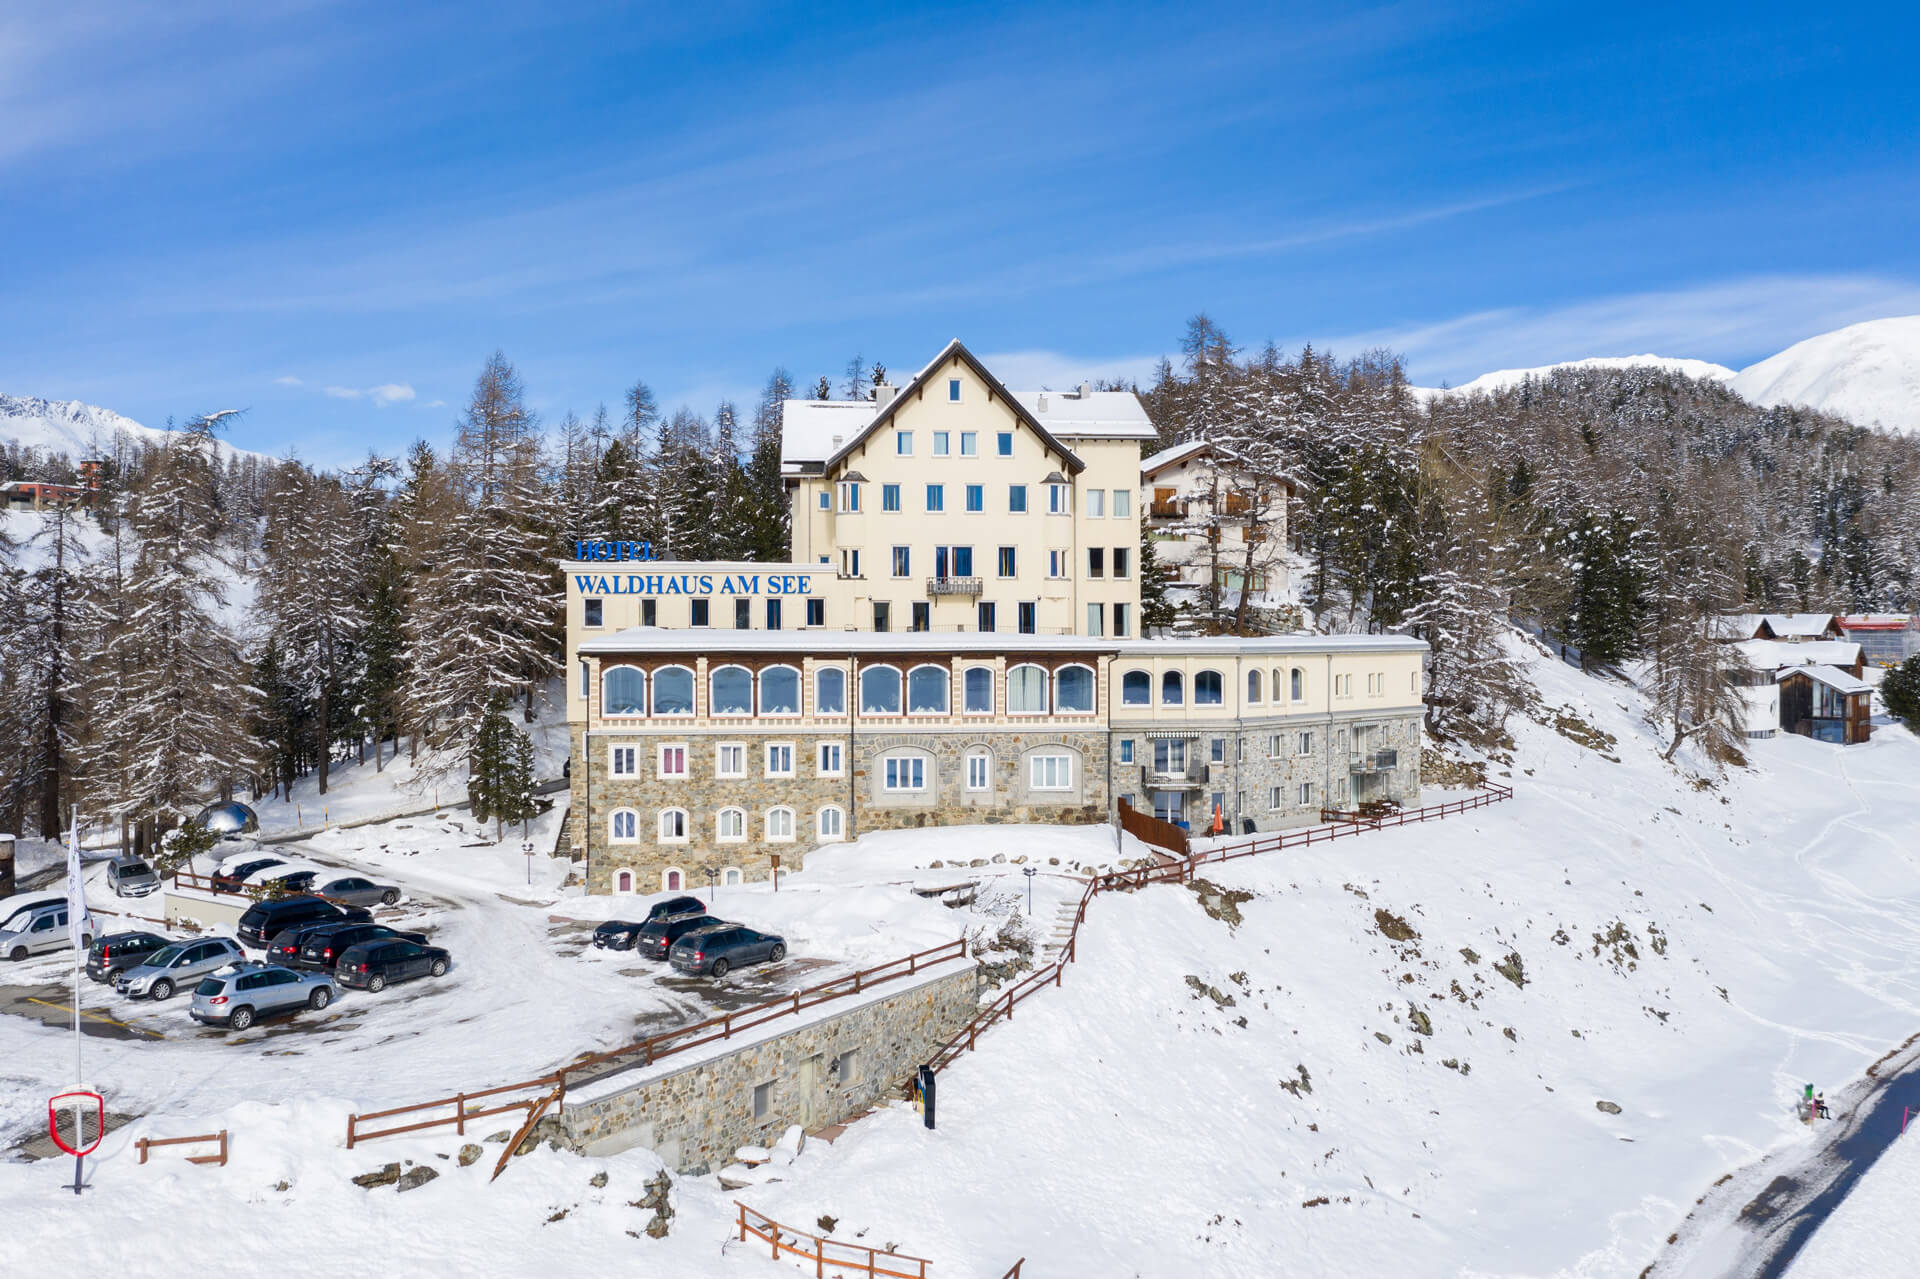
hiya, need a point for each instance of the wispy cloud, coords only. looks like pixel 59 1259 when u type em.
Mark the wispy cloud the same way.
pixel 288 381
pixel 383 395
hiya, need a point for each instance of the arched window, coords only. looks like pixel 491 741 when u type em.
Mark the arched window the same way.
pixel 832 823
pixel 1299 685
pixel 730 825
pixel 979 690
pixel 672 880
pixel 879 691
pixel 730 691
pixel 1207 690
pixel 671 826
pixel 1253 685
pixel 730 876
pixel 1136 689
pixel 1073 690
pixel 780 691
pixel 623 882
pixel 1173 689
pixel 1027 691
pixel 927 688
pixel 623 826
pixel 673 691
pixel 623 691
pixel 779 823
pixel 830 691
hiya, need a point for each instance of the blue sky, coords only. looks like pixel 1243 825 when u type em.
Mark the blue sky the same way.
pixel 330 213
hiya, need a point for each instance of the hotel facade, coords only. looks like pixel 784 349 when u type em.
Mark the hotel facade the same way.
pixel 955 641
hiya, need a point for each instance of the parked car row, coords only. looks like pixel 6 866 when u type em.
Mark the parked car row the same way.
pixel 276 873
pixel 681 932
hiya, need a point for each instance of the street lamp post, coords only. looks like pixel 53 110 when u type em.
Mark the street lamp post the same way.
pixel 526 846
pixel 1030 872
pixel 712 874
pixel 775 859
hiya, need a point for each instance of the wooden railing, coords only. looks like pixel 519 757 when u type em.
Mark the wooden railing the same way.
pixel 218 1157
pixel 1015 1272
pixel 1149 829
pixel 646 1051
pixel 845 1258
pixel 1001 1007
pixel 253 892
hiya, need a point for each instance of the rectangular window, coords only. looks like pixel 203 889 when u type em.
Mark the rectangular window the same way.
pixel 1276 745
pixel 1126 750
pixel 969 444
pixel 1096 616
pixel 1056 563
pixel 1057 500
pixel 826 500
pixel 953 390
pixel 624 761
pixel 816 612
pixel 762 1100
pixel 1122 505
pixel 850 498
pixel 963 561
pixel 882 616
pixel 889 497
pixel 906 774
pixel 701 610
pixel 592 609
pixel 1169 756
pixel 846 1067
pixel 1096 504
pixel 922 616
pixel 902 561
pixel 1008 559
pixel 1121 621
pixel 1273 798
pixel 1217 749
pixel 976 497
pixel 849 561
pixel 730 760
pixel 648 612
pixel 1050 772
pixel 936 497
pixel 673 761
pixel 1017 499
pixel 1306 744
pixel 779 759
pixel 1003 443
pixel 586 677
pixel 830 759
pixel 1096 561
pixel 903 443
pixel 1122 561
pixel 773 615
pixel 1027 622
pixel 742 615
pixel 984 617
pixel 940 443
pixel 977 772
pixel 1306 794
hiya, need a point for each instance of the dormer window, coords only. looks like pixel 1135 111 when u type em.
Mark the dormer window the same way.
pixel 849 497
pixel 1059 498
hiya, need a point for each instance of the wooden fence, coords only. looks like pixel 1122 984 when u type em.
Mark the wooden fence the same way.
pixel 844 1258
pixel 219 1157
pixel 536 1092
pixel 1151 830
pixel 1001 1007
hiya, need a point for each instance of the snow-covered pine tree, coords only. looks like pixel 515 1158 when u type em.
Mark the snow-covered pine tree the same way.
pixel 822 390
pixel 500 783
pixel 771 517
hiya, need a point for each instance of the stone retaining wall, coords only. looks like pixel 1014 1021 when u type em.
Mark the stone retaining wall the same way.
pixel 694 1117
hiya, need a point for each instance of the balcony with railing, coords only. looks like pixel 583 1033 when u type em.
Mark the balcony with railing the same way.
pixel 1191 777
pixel 954 586
pixel 1373 761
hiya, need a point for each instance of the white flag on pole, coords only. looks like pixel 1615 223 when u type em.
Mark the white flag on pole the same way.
pixel 79 922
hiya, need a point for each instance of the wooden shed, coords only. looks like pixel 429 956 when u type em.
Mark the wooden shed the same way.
pixel 1826 704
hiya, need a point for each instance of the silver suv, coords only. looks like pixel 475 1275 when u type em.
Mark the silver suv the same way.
pixel 251 989
pixel 178 965
pixel 33 929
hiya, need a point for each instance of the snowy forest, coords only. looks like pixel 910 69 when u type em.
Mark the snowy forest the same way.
pixel 208 629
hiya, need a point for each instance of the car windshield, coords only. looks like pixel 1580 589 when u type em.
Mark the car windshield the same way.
pixel 210 986
pixel 166 956
pixel 135 868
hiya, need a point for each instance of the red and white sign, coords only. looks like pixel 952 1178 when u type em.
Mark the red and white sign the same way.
pixel 85 1113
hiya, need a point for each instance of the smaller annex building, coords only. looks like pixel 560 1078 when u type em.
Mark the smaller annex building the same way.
pixel 1826 704
pixel 724 751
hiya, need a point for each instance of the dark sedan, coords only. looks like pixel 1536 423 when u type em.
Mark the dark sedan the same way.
pixel 286 944
pixel 233 877
pixel 718 951
pixel 617 934
pixel 357 890
pixel 115 953
pixel 373 964
pixel 321 948
pixel 657 936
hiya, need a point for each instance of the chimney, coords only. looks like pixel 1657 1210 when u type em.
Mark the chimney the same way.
pixel 1043 403
pixel 883 395
pixel 838 440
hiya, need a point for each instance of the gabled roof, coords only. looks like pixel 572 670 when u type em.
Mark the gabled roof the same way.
pixel 1774 655
pixel 1741 626
pixel 1086 414
pixel 808 429
pixel 955 349
pixel 1172 457
pixel 1804 625
pixel 1838 680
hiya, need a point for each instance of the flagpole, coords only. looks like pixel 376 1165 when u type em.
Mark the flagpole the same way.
pixel 73 839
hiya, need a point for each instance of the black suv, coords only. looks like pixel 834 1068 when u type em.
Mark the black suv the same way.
pixel 657 936
pixel 723 949
pixel 322 945
pixel 265 920
pixel 115 953
pixel 372 964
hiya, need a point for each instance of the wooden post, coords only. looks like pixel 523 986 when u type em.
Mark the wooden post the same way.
pixel 223 1147
pixel 460 1113
pixel 350 1132
pixel 142 1145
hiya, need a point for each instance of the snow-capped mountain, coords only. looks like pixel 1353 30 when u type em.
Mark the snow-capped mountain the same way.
pixel 1867 373
pixel 74 428
pixel 1500 379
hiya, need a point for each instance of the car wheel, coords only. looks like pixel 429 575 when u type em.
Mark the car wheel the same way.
pixel 162 989
pixel 376 984
pixel 389 897
pixel 19 953
pixel 113 976
pixel 320 998
pixel 439 968
pixel 721 968
pixel 241 1019
pixel 777 954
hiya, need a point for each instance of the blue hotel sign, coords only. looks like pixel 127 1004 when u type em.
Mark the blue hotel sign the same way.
pixel 614 551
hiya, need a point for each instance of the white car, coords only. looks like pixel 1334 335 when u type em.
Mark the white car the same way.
pixel 34 929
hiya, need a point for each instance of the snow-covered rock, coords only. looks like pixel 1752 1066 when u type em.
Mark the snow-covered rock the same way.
pixel 76 428
pixel 1867 373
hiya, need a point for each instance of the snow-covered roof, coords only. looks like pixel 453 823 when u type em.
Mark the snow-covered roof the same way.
pixel 1876 622
pixel 1737 626
pixel 814 430
pixel 1833 678
pixel 1772 655
pixel 1786 625
pixel 1172 457
pixel 1089 414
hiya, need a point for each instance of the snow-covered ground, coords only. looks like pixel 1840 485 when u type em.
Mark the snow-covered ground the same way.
pixel 1875 1231
pixel 1332 1086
